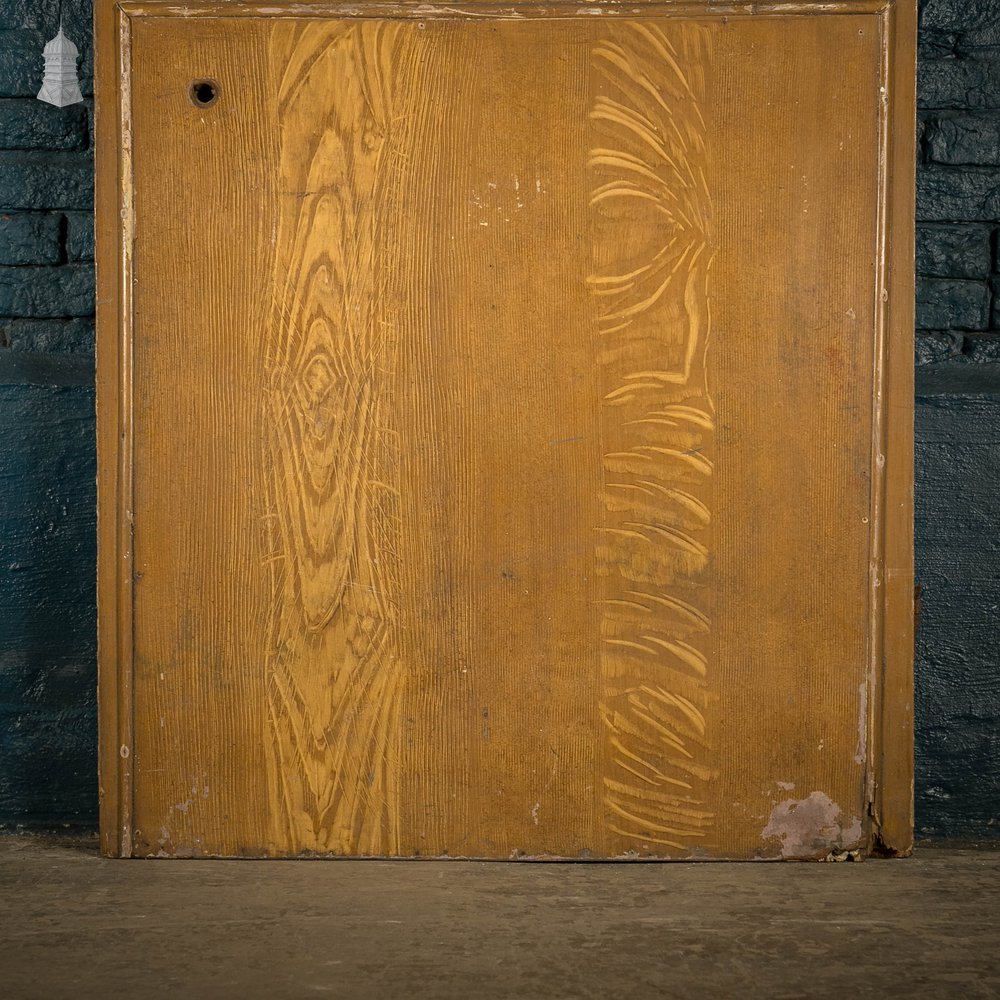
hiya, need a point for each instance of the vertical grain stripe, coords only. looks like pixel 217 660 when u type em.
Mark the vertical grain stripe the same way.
pixel 335 673
pixel 653 252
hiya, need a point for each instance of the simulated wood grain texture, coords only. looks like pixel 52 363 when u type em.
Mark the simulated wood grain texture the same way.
pixel 335 667
pixel 653 252
pixel 793 365
pixel 200 588
pixel 501 473
pixel 489 416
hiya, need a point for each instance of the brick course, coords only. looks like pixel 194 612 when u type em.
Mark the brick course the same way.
pixel 958 183
pixel 30 238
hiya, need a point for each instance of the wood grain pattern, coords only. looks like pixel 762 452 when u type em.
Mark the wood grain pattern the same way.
pixel 487 468
pixel 500 470
pixel 892 667
pixel 654 254
pixel 793 471
pixel 332 462
pixel 199 596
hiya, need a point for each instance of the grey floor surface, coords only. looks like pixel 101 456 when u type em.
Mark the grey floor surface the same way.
pixel 75 925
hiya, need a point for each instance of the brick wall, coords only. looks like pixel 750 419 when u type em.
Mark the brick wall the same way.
pixel 958 205
pixel 46 187
pixel 958 420
pixel 47 670
pixel 47 549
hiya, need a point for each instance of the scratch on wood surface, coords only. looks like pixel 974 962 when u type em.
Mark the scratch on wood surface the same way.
pixel 653 253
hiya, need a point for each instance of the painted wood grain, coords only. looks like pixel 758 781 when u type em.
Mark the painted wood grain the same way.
pixel 344 99
pixel 198 595
pixel 500 467
pixel 792 619
pixel 487 467
pixel 653 254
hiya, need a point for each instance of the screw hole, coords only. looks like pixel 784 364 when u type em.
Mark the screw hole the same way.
pixel 204 93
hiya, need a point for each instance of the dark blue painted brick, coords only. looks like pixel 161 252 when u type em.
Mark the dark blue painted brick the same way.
pixel 20 63
pixel 948 304
pixel 30 238
pixel 41 14
pixel 54 336
pixel 984 350
pixel 25 27
pixel 969 139
pixel 27 123
pixel 80 236
pixel 935 46
pixel 47 553
pixel 951 194
pixel 45 15
pixel 948 251
pixel 47 291
pixel 958 84
pixel 984 41
pixel 958 565
pixel 956 16
pixel 932 347
pixel 40 181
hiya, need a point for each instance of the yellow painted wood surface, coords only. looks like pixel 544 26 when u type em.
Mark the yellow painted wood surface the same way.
pixel 498 431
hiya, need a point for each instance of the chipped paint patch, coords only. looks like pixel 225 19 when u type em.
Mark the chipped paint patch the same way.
pixel 861 755
pixel 812 826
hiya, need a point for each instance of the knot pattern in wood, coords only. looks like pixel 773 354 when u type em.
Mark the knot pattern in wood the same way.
pixel 335 673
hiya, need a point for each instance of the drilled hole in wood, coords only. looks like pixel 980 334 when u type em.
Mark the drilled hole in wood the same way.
pixel 204 93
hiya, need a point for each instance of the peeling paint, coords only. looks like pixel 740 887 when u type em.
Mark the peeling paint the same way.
pixel 861 755
pixel 812 826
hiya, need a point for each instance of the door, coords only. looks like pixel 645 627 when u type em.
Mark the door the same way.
pixel 505 421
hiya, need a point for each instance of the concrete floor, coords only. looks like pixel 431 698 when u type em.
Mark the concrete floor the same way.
pixel 75 925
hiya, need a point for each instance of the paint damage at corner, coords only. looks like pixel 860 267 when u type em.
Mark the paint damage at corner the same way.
pixel 813 826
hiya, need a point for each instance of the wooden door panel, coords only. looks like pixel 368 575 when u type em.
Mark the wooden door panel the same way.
pixel 504 415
